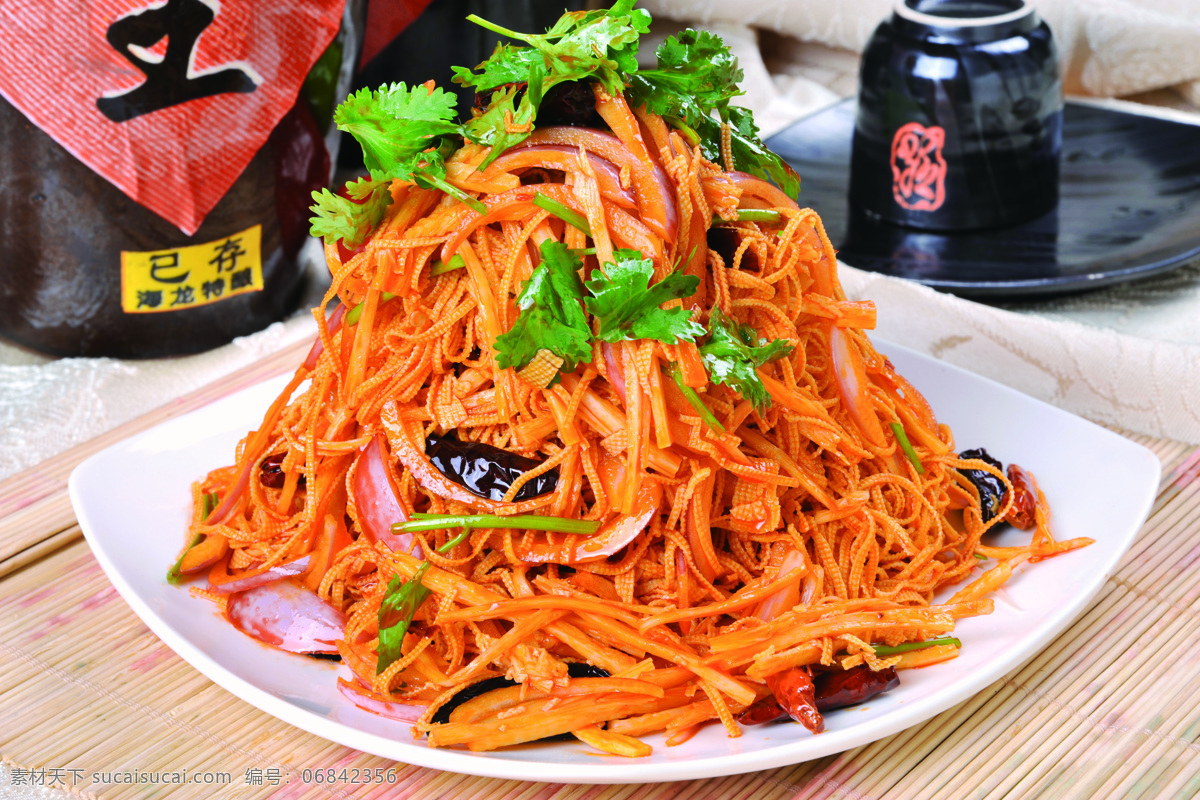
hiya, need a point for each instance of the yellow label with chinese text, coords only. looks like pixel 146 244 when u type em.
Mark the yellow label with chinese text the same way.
pixel 186 277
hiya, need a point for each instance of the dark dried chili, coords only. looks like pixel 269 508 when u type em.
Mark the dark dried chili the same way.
pixel 1024 503
pixel 831 690
pixel 442 716
pixel 486 471
pixel 849 687
pixel 991 489
pixel 271 474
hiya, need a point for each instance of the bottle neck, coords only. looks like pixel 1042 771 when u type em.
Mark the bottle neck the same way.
pixel 964 21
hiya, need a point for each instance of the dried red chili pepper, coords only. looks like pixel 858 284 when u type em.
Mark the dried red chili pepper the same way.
pixel 1024 503
pixel 794 691
pixel 271 473
pixel 841 688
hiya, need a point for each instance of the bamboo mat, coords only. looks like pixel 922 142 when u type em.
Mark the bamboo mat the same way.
pixel 1107 710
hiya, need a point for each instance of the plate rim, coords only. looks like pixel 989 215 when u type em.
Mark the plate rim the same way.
pixel 627 771
pixel 1023 288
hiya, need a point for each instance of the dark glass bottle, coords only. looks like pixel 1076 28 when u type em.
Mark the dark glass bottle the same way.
pixel 63 229
pixel 959 120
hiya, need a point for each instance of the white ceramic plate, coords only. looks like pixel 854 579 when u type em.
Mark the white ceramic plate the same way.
pixel 132 501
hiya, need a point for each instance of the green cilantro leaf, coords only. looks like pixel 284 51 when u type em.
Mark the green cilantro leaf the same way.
pixel 626 306
pixel 506 123
pixel 338 217
pixel 405 135
pixel 696 76
pixel 551 317
pixel 694 65
pixel 581 44
pixel 734 351
pixel 600 44
pixel 507 64
pixel 395 123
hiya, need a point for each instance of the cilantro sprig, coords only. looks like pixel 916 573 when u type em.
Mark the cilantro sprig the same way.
pixel 350 218
pixel 600 44
pixel 626 306
pixel 697 76
pixel 619 296
pixel 550 316
pixel 733 352
pixel 406 134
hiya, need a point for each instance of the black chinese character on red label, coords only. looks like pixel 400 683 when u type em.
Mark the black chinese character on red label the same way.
pixel 169 78
pixel 227 255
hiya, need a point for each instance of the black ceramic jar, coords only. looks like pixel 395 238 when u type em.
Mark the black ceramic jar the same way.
pixel 959 120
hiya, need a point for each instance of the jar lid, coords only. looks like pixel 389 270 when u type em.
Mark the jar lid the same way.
pixel 964 21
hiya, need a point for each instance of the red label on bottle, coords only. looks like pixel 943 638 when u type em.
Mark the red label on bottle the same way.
pixel 918 169
pixel 167 100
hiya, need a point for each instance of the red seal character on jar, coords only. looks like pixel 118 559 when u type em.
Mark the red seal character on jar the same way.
pixel 918 169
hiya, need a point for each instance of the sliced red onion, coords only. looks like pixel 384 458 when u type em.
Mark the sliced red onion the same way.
pixel 624 528
pixel 852 383
pixel 404 712
pixel 786 598
pixel 607 174
pixel 231 498
pixel 759 188
pixel 318 347
pixel 287 569
pixel 616 374
pixel 619 532
pixel 668 195
pixel 646 178
pixel 377 503
pixel 288 616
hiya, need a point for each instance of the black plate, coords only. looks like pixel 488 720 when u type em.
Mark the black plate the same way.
pixel 1129 208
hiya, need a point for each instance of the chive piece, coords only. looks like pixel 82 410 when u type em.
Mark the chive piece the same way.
pixel 757 215
pixel 174 575
pixel 494 28
pixel 687 131
pixel 211 500
pixel 579 252
pixel 529 522
pixel 883 651
pixel 980 556
pixel 210 503
pixel 690 395
pixel 399 606
pixel 567 215
pixel 453 191
pixel 356 312
pixel 902 438
pixel 441 267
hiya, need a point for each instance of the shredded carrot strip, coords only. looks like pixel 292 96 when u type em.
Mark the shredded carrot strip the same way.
pixel 701 528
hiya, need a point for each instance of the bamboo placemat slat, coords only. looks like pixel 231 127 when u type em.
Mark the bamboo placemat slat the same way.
pixel 34 504
pixel 1106 710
